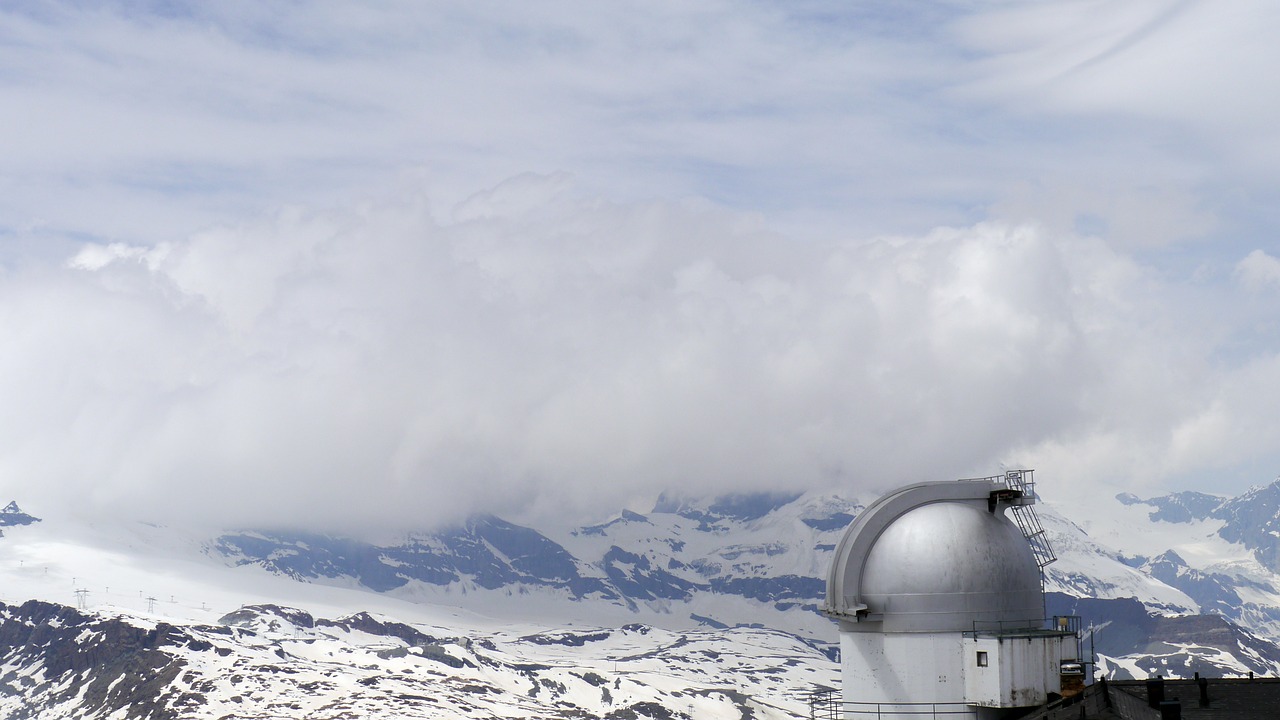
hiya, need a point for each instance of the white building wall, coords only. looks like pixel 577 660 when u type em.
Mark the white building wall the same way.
pixel 902 667
pixel 1019 671
pixel 982 683
pixel 899 668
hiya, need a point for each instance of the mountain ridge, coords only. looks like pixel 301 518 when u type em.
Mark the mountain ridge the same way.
pixel 701 585
pixel 768 552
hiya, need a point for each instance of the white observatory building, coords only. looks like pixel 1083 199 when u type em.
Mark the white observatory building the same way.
pixel 940 601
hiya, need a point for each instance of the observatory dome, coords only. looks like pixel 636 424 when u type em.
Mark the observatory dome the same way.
pixel 945 565
pixel 936 557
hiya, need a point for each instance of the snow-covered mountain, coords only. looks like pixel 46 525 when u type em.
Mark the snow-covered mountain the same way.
pixel 703 608
pixel 1204 554
pixel 761 559
pixel 12 516
pixel 268 661
pixel 749 559
pixel 171 629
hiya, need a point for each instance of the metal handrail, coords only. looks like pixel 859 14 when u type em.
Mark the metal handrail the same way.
pixel 917 710
pixel 998 626
pixel 825 705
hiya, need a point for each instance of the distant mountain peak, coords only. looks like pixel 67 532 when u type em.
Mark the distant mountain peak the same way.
pixel 1168 556
pixel 734 506
pixel 1128 498
pixel 12 516
pixel 1178 507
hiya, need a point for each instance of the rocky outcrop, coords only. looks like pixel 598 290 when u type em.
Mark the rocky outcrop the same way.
pixel 55 655
pixel 12 516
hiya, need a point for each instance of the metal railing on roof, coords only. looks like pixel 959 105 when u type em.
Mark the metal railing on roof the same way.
pixel 825 704
pixel 1057 625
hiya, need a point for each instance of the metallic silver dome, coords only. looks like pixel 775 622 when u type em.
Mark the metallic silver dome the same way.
pixel 952 564
pixel 934 557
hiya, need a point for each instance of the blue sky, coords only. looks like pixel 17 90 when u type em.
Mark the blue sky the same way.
pixel 560 257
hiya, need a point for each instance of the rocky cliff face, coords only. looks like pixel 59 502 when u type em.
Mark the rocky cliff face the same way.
pixel 1133 643
pixel 55 658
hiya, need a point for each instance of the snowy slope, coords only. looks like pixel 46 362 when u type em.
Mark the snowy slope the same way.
pixel 744 559
pixel 1185 552
pixel 157 598
pixel 1088 568
pixel 750 559
pixel 273 662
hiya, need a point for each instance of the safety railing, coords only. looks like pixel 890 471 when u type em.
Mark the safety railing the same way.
pixel 824 704
pixel 1059 624
pixel 911 711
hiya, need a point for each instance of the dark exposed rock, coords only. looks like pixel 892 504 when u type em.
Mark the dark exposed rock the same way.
pixel 110 664
pixel 836 521
pixel 637 578
pixel 709 622
pixel 771 589
pixel 366 623
pixel 1182 507
pixel 1254 520
pixel 1213 592
pixel 465 553
pixel 1179 507
pixel 567 639
pixel 740 699
pixel 246 615
pixel 440 655
pixel 12 516
pixel 1126 628
pixel 639 710
pixel 626 517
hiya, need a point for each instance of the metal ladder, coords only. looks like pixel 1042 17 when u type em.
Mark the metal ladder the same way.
pixel 1024 515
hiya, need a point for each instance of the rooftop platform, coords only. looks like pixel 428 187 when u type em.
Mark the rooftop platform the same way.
pixel 1227 699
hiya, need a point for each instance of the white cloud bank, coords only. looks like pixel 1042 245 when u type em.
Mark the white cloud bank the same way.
pixel 551 345
pixel 550 353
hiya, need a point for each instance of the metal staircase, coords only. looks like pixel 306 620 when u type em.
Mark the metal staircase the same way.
pixel 1024 515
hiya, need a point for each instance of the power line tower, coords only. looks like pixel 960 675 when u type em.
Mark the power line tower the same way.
pixel 82 599
pixel 151 603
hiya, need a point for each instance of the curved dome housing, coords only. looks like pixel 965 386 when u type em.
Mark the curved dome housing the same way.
pixel 935 557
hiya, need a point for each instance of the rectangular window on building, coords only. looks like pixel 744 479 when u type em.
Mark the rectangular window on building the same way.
pixel 982 658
